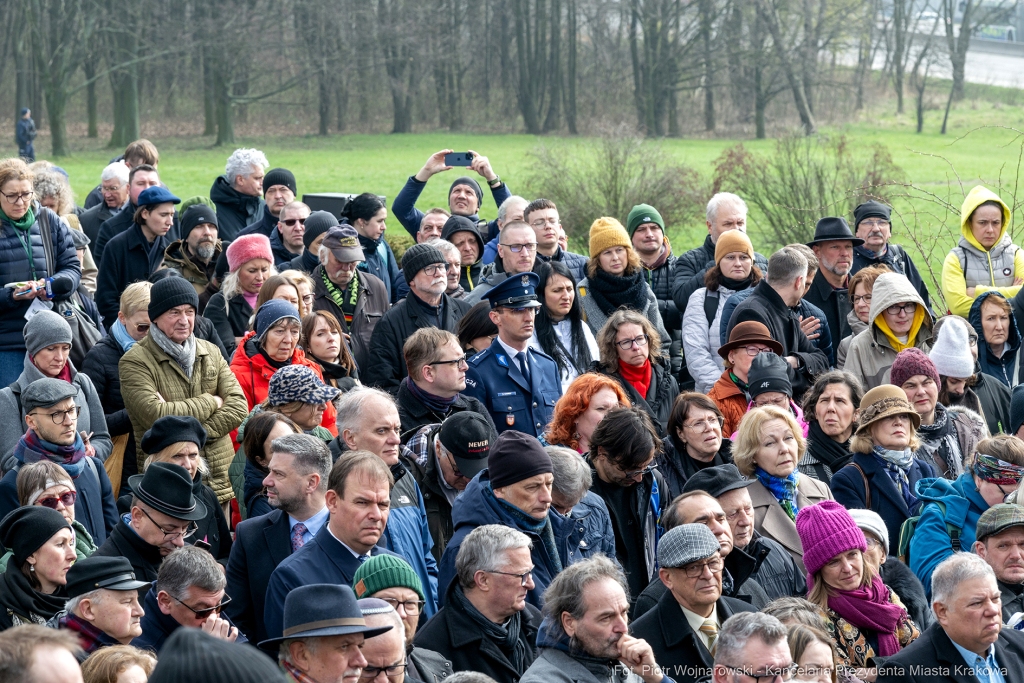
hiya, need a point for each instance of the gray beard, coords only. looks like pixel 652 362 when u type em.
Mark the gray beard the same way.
pixel 205 250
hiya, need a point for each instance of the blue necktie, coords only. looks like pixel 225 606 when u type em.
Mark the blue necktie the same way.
pixel 524 365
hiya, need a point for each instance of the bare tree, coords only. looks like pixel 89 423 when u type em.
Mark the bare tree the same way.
pixel 972 15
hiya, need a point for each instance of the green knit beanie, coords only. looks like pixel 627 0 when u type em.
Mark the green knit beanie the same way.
pixel 640 214
pixel 385 571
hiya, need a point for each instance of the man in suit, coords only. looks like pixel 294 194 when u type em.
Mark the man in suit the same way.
pixel 358 499
pixel 1000 542
pixel 518 384
pixel 683 628
pixel 968 643
pixel 299 468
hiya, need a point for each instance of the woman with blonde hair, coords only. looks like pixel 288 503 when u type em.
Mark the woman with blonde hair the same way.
pixel 865 618
pixel 581 408
pixel 251 263
pixel 118 664
pixel 767 448
pixel 630 348
pixel 304 284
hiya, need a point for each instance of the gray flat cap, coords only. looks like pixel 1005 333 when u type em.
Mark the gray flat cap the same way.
pixel 46 392
pixel 685 544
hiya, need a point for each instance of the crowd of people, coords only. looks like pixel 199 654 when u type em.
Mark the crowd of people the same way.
pixel 247 441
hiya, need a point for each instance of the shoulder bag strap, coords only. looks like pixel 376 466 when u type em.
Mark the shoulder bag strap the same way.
pixel 47 237
pixel 867 487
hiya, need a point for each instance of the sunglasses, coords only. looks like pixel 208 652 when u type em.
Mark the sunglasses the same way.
pixel 67 498
pixel 292 221
pixel 204 613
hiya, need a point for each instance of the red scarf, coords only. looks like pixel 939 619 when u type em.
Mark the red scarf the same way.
pixel 638 377
pixel 64 374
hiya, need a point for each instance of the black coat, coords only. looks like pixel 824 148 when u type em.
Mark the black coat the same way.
pixel 101 366
pixel 676 647
pixel 776 571
pixel 660 282
pixel 261 543
pixel 767 307
pixel 145 558
pixel 371 304
pixel 394 328
pixel 235 210
pixel 692 266
pixel 126 259
pixel 453 634
pixel 1013 599
pixel 229 322
pixel 995 401
pixel 435 502
pixel 836 305
pixel 677 466
pixel 904 583
pixel 118 223
pixel 933 658
pixel 93 218
pixel 414 414
pixel 661 394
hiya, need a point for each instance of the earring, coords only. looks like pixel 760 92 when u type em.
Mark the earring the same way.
pixel 31 567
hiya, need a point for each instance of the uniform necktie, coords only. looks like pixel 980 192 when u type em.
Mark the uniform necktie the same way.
pixel 363 558
pixel 524 365
pixel 297 531
pixel 710 631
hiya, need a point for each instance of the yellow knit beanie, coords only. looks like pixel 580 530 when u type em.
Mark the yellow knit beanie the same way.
pixel 733 240
pixel 605 233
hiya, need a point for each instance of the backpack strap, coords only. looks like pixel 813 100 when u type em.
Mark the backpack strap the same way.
pixel 867 487
pixel 711 305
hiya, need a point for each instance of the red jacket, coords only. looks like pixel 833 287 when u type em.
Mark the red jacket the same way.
pixel 254 375
pixel 730 400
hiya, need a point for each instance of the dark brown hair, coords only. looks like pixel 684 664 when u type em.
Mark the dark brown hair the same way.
pixel 309 327
pixel 681 408
pixel 257 429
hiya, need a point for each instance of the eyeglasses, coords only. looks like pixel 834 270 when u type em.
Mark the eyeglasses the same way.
pixel 205 612
pixel 374 671
pixel 67 498
pixel 308 299
pixel 627 344
pixel 541 222
pixel 171 535
pixel 875 224
pixel 523 578
pixel 436 268
pixel 111 190
pixel 906 308
pixel 696 569
pixel 457 362
pixel 59 416
pixel 516 248
pixel 701 426
pixel 639 473
pixel 972 340
pixel 292 221
pixel 866 298
pixel 872 542
pixel 754 350
pixel 18 197
pixel 769 675
pixel 778 403
pixel 411 607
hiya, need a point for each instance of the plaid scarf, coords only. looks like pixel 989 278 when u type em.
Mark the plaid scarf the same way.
pixel 31 448
pixel 338 295
pixel 296 675
pixel 89 637
pixel 783 489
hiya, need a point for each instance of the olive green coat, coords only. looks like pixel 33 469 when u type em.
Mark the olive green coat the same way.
pixel 149 375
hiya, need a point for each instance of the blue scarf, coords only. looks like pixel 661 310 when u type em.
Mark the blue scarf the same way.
pixel 896 465
pixel 121 336
pixel 71 458
pixel 783 489
pixel 524 521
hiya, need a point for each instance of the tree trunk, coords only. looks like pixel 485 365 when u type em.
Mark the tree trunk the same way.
pixel 551 122
pixel 89 68
pixel 225 112
pixel 899 28
pixel 56 106
pixel 707 9
pixel 570 67
pixel 771 21
pixel 209 96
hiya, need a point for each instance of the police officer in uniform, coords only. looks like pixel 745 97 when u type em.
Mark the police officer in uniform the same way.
pixel 518 384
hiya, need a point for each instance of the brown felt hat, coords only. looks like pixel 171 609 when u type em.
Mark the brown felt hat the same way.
pixel 882 402
pixel 747 332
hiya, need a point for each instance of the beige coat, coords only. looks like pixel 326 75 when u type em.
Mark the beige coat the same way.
pixel 149 375
pixel 772 521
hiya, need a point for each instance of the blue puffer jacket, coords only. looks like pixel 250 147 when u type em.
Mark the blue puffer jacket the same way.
pixel 930 544
pixel 473 508
pixel 1006 369
pixel 588 530
pixel 14 267
pixel 381 261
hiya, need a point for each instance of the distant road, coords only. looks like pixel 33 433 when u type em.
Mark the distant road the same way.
pixel 988 62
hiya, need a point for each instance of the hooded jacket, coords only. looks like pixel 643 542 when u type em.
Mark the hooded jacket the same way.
pixel 930 544
pixel 476 508
pixel 970 265
pixel 1005 368
pixel 873 351
pixel 404 206
pixel 898 261
pixel 235 210
pixel 856 327
pixel 468 275
pixel 701 340
pixel 556 664
pixel 176 255
pixel 381 262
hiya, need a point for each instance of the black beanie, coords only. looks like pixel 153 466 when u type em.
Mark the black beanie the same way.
pixel 317 224
pixel 191 655
pixel 419 256
pixel 516 456
pixel 196 215
pixel 279 176
pixel 871 209
pixel 26 529
pixel 466 180
pixel 768 372
pixel 171 292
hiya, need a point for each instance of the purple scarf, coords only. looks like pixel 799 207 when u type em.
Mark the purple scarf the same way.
pixel 869 607
pixel 33 449
pixel 435 403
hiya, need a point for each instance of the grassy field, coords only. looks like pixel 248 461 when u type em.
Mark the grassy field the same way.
pixel 381 163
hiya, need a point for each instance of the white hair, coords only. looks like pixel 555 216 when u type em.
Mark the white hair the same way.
pixel 446 248
pixel 75 603
pixel 953 571
pixel 243 162
pixel 115 170
pixel 508 204
pixel 349 406
pixel 723 199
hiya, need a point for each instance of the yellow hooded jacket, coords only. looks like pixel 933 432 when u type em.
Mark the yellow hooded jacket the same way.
pixel 994 263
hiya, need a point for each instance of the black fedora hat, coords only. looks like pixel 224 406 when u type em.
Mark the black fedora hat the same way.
pixel 832 228
pixel 167 488
pixel 717 480
pixel 322 609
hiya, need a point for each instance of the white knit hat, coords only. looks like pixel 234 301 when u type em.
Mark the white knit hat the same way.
pixel 952 350
pixel 869 520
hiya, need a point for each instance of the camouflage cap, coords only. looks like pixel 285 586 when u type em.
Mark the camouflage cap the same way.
pixel 998 519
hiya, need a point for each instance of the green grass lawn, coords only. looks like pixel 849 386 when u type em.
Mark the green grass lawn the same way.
pixel 381 163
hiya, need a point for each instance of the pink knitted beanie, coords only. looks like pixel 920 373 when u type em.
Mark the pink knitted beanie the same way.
pixel 826 530
pixel 248 247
